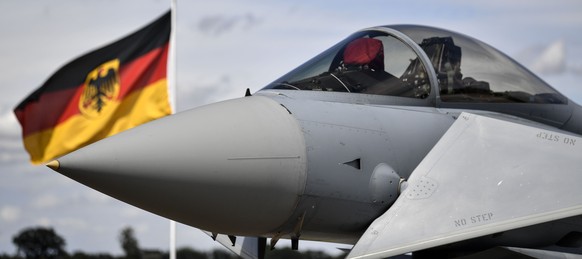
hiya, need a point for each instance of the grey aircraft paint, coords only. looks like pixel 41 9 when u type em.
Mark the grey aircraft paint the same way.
pixel 323 152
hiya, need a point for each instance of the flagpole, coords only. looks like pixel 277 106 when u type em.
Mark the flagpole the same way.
pixel 172 239
pixel 172 95
pixel 172 57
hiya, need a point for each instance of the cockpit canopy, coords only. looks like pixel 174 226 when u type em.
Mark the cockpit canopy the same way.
pixel 419 62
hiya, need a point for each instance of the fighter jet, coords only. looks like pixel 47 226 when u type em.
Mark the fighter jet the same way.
pixel 397 139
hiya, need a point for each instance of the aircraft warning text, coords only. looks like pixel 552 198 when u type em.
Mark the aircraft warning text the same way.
pixel 476 219
pixel 553 137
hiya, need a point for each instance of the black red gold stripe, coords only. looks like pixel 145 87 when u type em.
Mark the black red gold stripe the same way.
pixel 52 121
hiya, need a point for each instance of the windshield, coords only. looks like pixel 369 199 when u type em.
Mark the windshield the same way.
pixel 368 62
pixel 471 71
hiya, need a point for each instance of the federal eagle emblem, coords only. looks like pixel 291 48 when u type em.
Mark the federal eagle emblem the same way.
pixel 101 88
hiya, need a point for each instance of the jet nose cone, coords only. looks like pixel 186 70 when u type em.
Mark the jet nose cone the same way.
pixel 234 167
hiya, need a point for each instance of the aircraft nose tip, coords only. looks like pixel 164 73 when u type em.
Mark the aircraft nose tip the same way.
pixel 53 165
pixel 222 167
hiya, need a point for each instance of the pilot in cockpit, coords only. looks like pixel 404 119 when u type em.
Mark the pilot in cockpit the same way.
pixel 373 64
pixel 364 53
pixel 362 68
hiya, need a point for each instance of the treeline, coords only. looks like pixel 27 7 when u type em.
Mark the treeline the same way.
pixel 45 243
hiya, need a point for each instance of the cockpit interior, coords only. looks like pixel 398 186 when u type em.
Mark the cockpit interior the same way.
pixel 420 62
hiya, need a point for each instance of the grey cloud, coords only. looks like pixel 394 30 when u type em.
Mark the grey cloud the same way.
pixel 8 124
pixel 201 93
pixel 9 213
pixel 217 25
pixel 10 139
pixel 550 59
pixel 576 69
pixel 46 200
pixel 74 223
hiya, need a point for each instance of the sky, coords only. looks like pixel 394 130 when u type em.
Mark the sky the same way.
pixel 224 47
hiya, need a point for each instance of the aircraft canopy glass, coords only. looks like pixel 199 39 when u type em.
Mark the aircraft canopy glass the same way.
pixel 370 62
pixel 469 70
pixel 379 63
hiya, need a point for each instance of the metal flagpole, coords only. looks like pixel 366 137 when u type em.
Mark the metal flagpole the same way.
pixel 172 95
pixel 172 239
pixel 172 57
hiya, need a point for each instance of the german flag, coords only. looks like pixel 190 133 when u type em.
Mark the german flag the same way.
pixel 106 91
